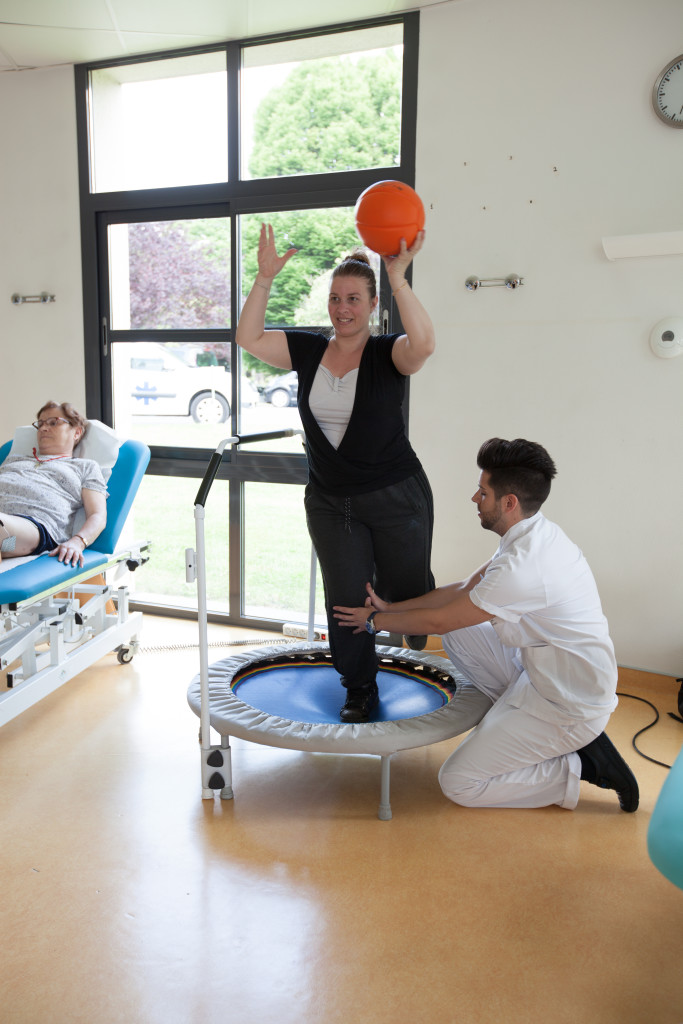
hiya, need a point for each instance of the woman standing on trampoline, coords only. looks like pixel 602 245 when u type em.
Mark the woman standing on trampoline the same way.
pixel 368 501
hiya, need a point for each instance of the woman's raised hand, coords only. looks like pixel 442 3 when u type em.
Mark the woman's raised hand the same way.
pixel 269 263
pixel 397 265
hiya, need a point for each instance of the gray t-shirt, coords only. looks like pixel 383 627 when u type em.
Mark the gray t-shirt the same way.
pixel 49 491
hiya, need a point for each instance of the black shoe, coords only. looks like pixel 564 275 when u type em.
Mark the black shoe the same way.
pixel 603 766
pixel 359 703
pixel 416 643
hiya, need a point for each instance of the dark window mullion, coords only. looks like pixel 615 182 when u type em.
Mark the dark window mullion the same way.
pixel 162 335
pixel 105 411
pixel 233 55
pixel 411 43
pixel 192 463
pixel 233 58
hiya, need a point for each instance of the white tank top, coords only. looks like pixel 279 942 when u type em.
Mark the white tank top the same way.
pixel 331 401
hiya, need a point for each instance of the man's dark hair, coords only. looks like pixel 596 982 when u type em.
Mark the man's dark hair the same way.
pixel 518 467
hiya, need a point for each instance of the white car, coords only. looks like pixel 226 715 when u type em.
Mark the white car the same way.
pixel 155 380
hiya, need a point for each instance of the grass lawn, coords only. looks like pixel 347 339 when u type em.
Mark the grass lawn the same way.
pixel 277 547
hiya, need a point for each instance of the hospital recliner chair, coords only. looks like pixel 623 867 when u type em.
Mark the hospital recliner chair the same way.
pixel 46 636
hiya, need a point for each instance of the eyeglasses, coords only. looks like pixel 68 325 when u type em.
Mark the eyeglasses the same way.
pixel 52 422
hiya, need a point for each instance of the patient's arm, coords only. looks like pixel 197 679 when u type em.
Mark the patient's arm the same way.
pixel 20 536
pixel 95 507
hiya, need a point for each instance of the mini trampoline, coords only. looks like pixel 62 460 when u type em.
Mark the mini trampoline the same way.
pixel 289 695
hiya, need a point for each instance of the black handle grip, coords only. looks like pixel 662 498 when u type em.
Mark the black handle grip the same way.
pixel 217 457
pixel 208 479
pixel 248 438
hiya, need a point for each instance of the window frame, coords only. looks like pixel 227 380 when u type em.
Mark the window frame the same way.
pixel 231 199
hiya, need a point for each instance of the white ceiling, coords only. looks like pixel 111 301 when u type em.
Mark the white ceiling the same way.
pixel 42 33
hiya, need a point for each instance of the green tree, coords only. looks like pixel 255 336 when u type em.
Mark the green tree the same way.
pixel 322 237
pixel 329 115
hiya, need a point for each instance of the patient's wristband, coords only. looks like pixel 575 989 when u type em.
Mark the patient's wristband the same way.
pixel 81 537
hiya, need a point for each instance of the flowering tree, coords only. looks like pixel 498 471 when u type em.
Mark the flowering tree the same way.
pixel 179 274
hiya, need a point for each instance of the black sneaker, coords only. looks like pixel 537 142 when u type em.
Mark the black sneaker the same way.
pixel 359 703
pixel 416 643
pixel 602 765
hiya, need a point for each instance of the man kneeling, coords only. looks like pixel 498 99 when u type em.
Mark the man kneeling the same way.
pixel 528 632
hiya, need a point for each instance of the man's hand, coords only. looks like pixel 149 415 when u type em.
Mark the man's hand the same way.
pixel 355 618
pixel 375 600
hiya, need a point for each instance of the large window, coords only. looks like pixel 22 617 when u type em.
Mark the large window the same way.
pixel 182 157
pixel 159 123
pixel 322 104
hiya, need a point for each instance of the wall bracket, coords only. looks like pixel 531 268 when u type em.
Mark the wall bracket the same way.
pixel 18 300
pixel 511 281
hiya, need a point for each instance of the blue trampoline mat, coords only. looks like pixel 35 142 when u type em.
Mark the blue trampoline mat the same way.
pixel 313 693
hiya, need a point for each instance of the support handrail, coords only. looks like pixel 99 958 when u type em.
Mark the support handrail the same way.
pixel 196 570
pixel 216 458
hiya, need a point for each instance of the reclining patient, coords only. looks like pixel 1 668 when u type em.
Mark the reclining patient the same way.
pixel 41 494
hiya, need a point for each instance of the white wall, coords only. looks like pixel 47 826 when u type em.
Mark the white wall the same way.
pixel 536 138
pixel 41 346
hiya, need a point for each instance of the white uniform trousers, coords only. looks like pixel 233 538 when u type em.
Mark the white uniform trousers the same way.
pixel 511 758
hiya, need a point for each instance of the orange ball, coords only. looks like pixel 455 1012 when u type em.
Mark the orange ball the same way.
pixel 385 213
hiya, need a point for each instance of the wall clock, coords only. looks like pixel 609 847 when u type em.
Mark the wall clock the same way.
pixel 667 94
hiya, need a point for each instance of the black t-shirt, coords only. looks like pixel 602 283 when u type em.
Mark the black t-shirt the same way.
pixel 374 451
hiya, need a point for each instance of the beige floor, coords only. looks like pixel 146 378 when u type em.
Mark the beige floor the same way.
pixel 126 898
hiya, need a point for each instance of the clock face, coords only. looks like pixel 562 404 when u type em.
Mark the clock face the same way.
pixel 667 95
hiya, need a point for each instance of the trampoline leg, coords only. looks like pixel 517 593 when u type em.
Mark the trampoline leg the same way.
pixel 384 805
pixel 226 792
pixel 217 770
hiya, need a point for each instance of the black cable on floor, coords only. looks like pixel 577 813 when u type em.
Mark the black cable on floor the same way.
pixel 645 728
pixel 677 718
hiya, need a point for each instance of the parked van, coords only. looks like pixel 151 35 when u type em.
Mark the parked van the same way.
pixel 160 381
